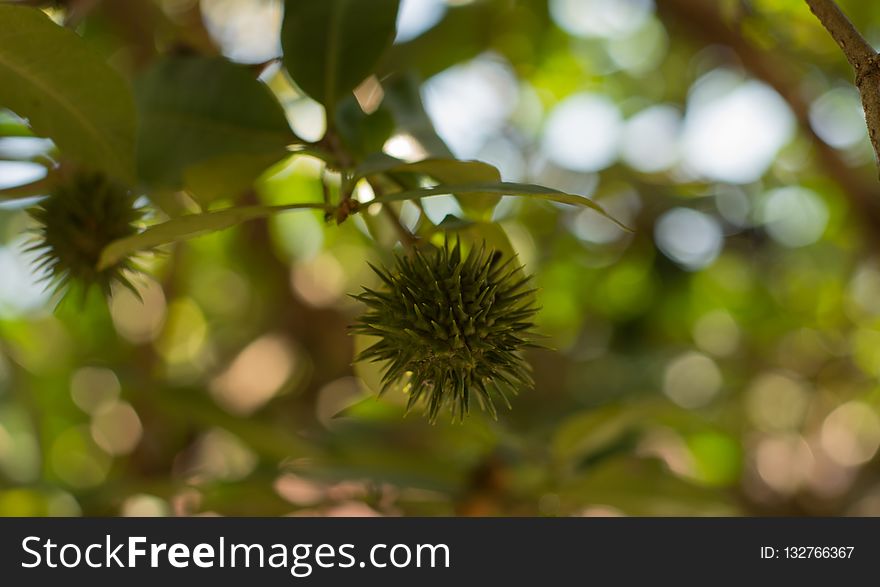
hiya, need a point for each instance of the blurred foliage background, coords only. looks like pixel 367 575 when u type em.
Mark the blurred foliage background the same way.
pixel 722 359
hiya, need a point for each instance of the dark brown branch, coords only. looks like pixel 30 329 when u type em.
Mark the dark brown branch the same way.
pixel 856 49
pixel 861 56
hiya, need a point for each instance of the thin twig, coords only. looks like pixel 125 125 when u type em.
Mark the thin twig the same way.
pixel 406 237
pixel 861 56
pixel 325 189
pixel 417 201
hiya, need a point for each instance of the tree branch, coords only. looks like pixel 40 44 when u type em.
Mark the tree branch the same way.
pixel 857 50
pixel 861 56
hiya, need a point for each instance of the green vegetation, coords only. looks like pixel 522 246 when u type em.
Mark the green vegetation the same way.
pixel 690 185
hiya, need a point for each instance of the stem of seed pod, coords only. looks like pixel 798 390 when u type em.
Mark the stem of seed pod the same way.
pixel 325 189
pixel 416 201
pixel 407 238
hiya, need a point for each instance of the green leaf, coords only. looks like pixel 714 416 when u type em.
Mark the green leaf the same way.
pixel 66 91
pixel 194 406
pixel 451 222
pixel 453 171
pixel 362 133
pixel 476 234
pixel 330 46
pixel 372 407
pixel 195 110
pixel 465 32
pixel 644 487
pixel 501 188
pixel 189 226
pixel 590 431
pixel 227 176
pixel 377 163
pixel 446 171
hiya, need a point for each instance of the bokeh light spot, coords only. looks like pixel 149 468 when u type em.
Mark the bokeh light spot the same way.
pixel 692 380
pixel 734 129
pixel 219 455
pixel 794 216
pixel 777 402
pixel 319 281
pixel 690 238
pixel 651 139
pixel 77 461
pixel 247 30
pixel 838 118
pixel 470 102
pixel 92 386
pixel 600 18
pixel 139 320
pixel 255 375
pixel 784 462
pixel 116 428
pixel 582 133
pixel 144 505
pixel 851 433
pixel 417 16
pixel 717 333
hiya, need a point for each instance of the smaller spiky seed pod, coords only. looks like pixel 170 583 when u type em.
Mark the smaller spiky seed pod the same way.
pixel 76 221
pixel 454 326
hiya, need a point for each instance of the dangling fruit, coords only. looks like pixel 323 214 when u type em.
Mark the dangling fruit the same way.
pixel 450 327
pixel 76 221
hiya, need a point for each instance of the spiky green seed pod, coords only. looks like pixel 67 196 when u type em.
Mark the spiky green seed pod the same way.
pixel 76 221
pixel 453 326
